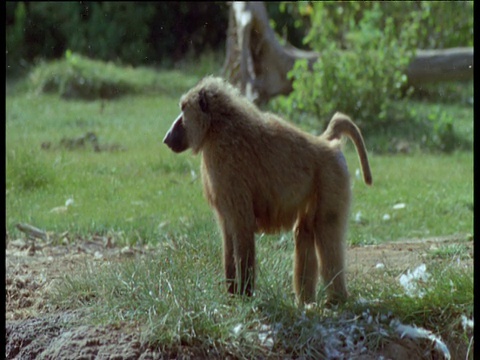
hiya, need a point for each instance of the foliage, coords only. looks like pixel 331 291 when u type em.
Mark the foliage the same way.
pixel 444 134
pixel 426 126
pixel 289 22
pixel 361 67
pixel 121 31
pixel 77 77
pixel 15 36
pixel 445 24
pixel 365 48
pixel 127 32
pixel 187 28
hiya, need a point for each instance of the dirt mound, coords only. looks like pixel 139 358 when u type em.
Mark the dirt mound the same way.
pixel 61 336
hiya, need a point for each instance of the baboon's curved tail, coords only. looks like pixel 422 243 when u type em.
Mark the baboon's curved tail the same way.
pixel 340 125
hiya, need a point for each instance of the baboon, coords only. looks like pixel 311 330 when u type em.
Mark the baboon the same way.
pixel 262 174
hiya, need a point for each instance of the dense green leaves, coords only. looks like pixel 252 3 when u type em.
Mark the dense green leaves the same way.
pixel 364 54
pixel 365 49
pixel 127 32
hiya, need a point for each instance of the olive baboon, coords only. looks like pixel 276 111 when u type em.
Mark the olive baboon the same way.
pixel 261 174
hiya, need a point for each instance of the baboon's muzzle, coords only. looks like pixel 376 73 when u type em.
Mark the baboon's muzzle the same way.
pixel 176 138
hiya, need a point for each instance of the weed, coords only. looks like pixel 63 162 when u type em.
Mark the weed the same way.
pixel 27 170
pixel 451 251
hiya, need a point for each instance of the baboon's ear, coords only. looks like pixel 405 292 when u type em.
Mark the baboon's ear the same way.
pixel 202 101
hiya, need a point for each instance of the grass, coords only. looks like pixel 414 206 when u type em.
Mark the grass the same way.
pixel 176 300
pixel 136 190
pixel 456 251
pixel 127 191
pixel 145 194
pixel 432 187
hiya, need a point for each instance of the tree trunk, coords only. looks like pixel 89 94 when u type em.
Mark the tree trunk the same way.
pixel 257 63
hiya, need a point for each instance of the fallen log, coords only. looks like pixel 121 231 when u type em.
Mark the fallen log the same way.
pixel 454 64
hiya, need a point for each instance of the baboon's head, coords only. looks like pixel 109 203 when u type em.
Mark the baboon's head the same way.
pixel 190 128
pixel 203 107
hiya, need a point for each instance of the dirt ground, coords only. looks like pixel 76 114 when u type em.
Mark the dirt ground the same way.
pixel 35 331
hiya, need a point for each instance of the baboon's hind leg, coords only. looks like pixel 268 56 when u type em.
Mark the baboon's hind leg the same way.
pixel 330 230
pixel 229 264
pixel 305 275
pixel 331 251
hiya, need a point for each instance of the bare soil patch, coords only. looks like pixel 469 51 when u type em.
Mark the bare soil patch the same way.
pixel 36 331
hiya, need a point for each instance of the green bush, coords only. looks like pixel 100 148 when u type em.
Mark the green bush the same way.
pixel 125 32
pixel 361 67
pixel 15 36
pixel 444 136
pixel 76 76
pixel 444 24
pixel 112 31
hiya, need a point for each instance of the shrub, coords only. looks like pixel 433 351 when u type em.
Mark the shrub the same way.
pixel 76 76
pixel 14 37
pixel 79 77
pixel 125 32
pixel 361 68
pixel 446 24
pixel 444 136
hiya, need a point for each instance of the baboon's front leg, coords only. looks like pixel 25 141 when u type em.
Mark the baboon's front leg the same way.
pixel 305 275
pixel 239 261
pixel 245 262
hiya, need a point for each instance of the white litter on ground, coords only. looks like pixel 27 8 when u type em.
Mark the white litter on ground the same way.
pixel 412 279
pixel 358 217
pixel 467 323
pixel 421 333
pixel 340 338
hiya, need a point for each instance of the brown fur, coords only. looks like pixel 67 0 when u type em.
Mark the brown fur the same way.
pixel 261 174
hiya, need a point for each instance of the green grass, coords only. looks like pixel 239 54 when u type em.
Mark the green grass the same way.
pixel 176 299
pixel 136 190
pixel 148 195
pixel 451 251
pixel 132 191
pixel 437 192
